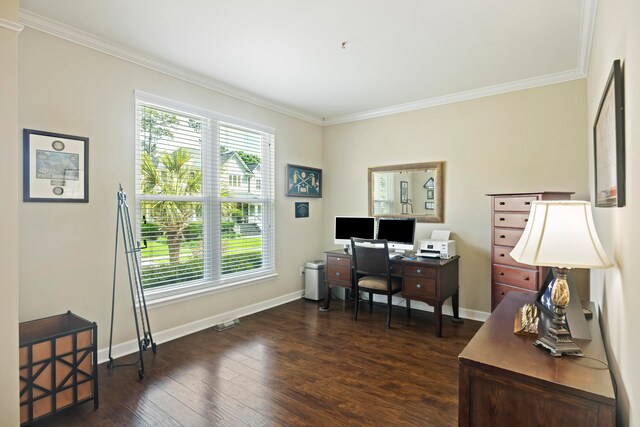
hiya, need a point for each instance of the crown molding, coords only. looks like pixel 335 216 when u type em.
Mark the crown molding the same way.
pixel 460 96
pixel 10 25
pixel 74 35
pixel 587 25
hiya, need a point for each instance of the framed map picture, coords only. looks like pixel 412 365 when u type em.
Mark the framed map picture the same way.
pixel 56 167
pixel 303 181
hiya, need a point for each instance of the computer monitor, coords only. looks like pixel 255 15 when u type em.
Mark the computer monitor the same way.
pixel 398 232
pixel 346 227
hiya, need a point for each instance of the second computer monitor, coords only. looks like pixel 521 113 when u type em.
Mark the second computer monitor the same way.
pixel 398 232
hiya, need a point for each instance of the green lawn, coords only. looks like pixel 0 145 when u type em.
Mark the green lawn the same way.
pixel 158 251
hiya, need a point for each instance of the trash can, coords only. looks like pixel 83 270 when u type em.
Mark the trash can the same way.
pixel 314 280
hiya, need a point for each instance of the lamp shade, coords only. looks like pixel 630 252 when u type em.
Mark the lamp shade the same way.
pixel 561 234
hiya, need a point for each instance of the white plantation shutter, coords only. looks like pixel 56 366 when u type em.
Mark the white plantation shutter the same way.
pixel 204 197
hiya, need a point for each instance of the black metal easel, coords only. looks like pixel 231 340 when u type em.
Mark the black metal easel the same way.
pixel 131 250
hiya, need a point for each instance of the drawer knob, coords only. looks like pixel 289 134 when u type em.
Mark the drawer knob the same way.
pixel 526 220
pixel 337 273
pixel 501 219
pixel 502 255
pixel 418 271
pixel 501 293
pixel 337 259
pixel 418 286
pixel 502 203
pixel 501 274
pixel 502 236
pixel 527 203
pixel 526 278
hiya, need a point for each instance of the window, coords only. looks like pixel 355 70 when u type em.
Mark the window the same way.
pixel 383 196
pixel 203 224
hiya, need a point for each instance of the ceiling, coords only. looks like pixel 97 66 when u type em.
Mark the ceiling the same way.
pixel 288 55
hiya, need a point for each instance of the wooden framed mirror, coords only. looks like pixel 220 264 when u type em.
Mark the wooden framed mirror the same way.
pixel 412 190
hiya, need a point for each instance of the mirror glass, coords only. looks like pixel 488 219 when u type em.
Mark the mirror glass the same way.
pixel 413 190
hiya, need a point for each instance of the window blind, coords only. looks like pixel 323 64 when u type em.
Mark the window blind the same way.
pixel 204 197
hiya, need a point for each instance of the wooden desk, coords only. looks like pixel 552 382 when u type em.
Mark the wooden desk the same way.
pixel 505 380
pixel 428 280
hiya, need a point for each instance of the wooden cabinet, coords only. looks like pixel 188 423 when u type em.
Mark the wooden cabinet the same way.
pixel 504 380
pixel 58 365
pixel 509 216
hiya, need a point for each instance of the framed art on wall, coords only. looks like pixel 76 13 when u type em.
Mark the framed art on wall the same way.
pixel 56 167
pixel 608 142
pixel 304 181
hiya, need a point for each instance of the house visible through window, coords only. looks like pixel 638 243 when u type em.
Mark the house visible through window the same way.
pixel 203 222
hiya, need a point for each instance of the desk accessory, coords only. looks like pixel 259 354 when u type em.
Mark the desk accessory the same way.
pixel 526 321
pixel 560 234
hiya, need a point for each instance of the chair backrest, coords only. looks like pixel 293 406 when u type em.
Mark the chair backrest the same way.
pixel 370 257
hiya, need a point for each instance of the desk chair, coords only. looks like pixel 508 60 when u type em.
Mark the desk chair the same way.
pixel 372 273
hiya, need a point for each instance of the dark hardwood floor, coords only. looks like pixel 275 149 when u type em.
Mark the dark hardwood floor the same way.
pixel 290 366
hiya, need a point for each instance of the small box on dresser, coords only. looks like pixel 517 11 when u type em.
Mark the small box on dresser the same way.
pixel 509 216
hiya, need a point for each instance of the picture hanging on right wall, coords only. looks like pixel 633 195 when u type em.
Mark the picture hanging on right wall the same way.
pixel 608 142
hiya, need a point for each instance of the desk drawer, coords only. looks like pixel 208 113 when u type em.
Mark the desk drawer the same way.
pixel 343 261
pixel 518 204
pixel 512 220
pixel 418 287
pixel 506 236
pixel 520 277
pixel 502 255
pixel 396 269
pixel 419 271
pixel 338 274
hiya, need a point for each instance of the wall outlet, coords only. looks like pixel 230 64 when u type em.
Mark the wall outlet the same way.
pixel 302 271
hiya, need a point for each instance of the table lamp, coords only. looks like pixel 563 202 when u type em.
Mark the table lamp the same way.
pixel 560 234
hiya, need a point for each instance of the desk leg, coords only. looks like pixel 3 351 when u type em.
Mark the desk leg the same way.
pixel 455 305
pixel 327 297
pixel 437 313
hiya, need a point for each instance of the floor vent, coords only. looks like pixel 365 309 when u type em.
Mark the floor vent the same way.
pixel 226 325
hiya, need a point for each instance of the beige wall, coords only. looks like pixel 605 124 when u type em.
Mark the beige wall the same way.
pixel 616 290
pixel 67 249
pixel 530 140
pixel 9 176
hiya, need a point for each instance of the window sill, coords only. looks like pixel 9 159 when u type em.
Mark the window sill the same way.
pixel 161 297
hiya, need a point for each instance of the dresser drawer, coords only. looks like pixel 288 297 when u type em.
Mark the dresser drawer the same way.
pixel 419 287
pixel 506 236
pixel 512 220
pixel 499 291
pixel 502 255
pixel 419 271
pixel 520 277
pixel 518 204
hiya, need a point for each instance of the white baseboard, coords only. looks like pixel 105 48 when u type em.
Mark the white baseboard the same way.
pixel 480 316
pixel 159 337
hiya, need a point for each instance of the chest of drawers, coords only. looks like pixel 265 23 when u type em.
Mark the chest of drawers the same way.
pixel 509 216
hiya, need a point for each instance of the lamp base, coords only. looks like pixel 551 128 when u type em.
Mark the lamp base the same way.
pixel 558 342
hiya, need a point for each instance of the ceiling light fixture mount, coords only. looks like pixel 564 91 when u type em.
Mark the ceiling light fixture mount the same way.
pixel 344 45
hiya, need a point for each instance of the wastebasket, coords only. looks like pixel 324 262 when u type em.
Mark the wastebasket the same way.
pixel 314 280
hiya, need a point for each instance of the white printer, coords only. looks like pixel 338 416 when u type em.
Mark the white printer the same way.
pixel 438 246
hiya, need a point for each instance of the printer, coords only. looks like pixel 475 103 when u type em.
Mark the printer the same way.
pixel 438 246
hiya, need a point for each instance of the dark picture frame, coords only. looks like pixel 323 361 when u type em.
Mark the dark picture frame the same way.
pixel 609 144
pixel 302 209
pixel 55 167
pixel 404 192
pixel 303 181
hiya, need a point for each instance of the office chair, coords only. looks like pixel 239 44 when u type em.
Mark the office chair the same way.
pixel 372 273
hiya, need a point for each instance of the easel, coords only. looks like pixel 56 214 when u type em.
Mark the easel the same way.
pixel 131 250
